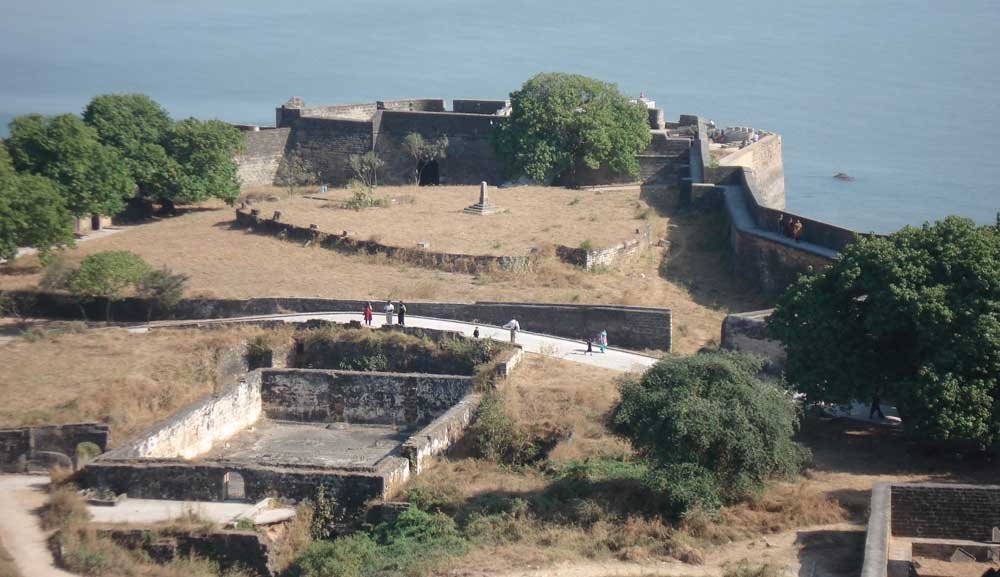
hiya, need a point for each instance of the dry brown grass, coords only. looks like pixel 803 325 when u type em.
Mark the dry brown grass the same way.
pixel 228 263
pixel 109 375
pixel 551 395
pixel 531 216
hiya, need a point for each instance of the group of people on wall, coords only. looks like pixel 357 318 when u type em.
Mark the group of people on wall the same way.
pixel 790 227
pixel 513 326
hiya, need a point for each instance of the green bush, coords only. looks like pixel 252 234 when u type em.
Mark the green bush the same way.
pixel 710 417
pixel 86 451
pixel 352 556
pixel 498 437
pixel 163 288
pixel 324 517
pixel 107 275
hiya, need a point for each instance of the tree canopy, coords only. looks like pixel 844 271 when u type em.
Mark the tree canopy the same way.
pixel 32 212
pixel 204 152
pixel 108 275
pixel 92 177
pixel 915 317
pixel 134 125
pixel 712 424
pixel 564 126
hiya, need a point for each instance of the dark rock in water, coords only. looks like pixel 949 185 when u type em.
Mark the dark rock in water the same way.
pixel 843 176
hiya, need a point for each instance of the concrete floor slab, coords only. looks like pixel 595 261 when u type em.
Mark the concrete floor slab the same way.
pixel 337 445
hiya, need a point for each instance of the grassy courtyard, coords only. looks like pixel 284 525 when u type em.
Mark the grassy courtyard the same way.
pixel 691 277
pixel 530 216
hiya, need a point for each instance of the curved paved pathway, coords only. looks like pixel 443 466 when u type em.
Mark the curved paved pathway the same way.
pixel 570 350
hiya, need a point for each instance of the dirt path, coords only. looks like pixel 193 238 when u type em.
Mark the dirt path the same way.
pixel 20 496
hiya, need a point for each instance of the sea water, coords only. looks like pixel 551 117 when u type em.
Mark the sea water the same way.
pixel 900 94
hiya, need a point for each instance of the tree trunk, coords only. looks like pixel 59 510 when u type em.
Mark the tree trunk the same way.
pixel 167 207
pixel 107 310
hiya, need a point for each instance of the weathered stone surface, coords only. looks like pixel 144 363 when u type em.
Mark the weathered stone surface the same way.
pixel 747 332
pixel 944 511
pixel 19 447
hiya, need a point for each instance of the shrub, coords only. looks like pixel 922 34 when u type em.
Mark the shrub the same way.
pixel 57 274
pixel 498 437
pixel 587 245
pixel 86 452
pixel 708 421
pixel 352 556
pixel 107 275
pixel 365 197
pixel 324 516
pixel 162 288
pixel 416 538
pixel 65 508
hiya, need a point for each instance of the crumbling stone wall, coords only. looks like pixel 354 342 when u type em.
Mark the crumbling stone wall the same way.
pixel 359 397
pixel 943 511
pixel 20 446
pixel 196 428
pixel 244 550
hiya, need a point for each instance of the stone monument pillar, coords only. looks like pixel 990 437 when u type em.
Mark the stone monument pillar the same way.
pixel 484 206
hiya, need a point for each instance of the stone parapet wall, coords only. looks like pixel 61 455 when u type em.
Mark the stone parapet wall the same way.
pixel 943 511
pixel 317 395
pixel 22 445
pixel 628 327
pixel 770 265
pixel 763 164
pixel 438 436
pixel 194 430
pixel 478 106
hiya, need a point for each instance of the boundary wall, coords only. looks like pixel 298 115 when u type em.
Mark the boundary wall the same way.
pixel 467 263
pixel 44 445
pixel 628 327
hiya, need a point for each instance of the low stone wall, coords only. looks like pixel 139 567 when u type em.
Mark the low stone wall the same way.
pixel 628 327
pixel 193 430
pixel 878 534
pixel 943 511
pixel 19 447
pixel 747 332
pixel 438 436
pixel 359 397
pixel 244 550
pixel 205 481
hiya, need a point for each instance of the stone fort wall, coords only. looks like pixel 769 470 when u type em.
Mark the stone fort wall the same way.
pixel 328 135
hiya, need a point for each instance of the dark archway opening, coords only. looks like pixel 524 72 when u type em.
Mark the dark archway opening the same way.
pixel 429 173
pixel 95 222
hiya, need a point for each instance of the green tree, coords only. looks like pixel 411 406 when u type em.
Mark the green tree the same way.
pixel 91 176
pixel 107 275
pixel 204 165
pixel 134 125
pixel 709 417
pixel 295 170
pixel 423 152
pixel 365 168
pixel 162 288
pixel 563 126
pixel 32 212
pixel 913 317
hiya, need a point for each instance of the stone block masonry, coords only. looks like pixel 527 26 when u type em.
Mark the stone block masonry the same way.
pixel 20 446
pixel 359 397
pixel 262 153
pixel 747 332
pixel 942 511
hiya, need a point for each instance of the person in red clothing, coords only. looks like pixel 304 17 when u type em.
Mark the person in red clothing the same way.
pixel 368 314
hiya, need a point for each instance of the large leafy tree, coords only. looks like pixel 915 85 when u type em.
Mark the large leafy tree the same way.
pixel 92 177
pixel 913 317
pixel 564 126
pixel 204 154
pixel 32 212
pixel 709 419
pixel 134 125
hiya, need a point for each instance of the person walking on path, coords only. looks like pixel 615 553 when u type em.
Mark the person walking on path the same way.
pixel 368 314
pixel 590 345
pixel 514 326
pixel 401 312
pixel 876 408
pixel 389 309
pixel 475 333
pixel 602 340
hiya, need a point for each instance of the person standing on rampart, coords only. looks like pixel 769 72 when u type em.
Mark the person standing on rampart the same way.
pixel 781 223
pixel 602 340
pixel 514 326
pixel 368 313
pixel 797 230
pixel 401 313
pixel 389 309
